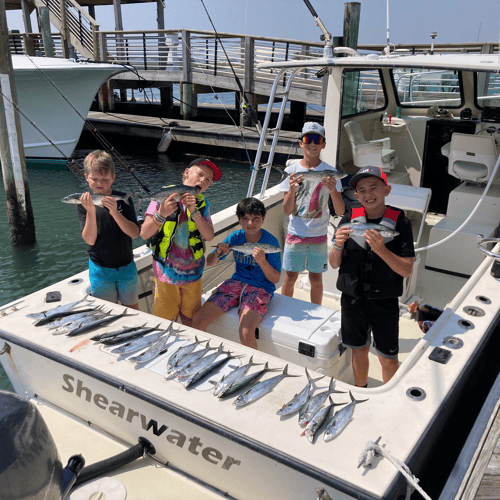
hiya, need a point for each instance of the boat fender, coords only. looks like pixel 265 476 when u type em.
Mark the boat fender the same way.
pixel 165 141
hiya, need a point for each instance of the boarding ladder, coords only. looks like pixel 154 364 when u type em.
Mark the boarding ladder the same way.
pixel 271 133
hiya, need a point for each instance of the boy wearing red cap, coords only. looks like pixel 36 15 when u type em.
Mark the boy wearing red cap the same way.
pixel 180 230
pixel 371 275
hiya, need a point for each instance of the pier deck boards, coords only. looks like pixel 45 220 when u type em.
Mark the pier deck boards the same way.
pixel 229 136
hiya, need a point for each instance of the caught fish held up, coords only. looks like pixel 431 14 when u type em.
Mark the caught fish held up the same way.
pixel 319 175
pixel 161 195
pixel 75 198
pixel 359 228
pixel 248 248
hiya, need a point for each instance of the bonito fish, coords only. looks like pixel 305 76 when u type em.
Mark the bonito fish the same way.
pixel 261 389
pixel 314 403
pixel 340 420
pixel 75 198
pixel 234 375
pixel 299 400
pixel 318 419
pixel 55 310
pixel 248 248
pixel 358 229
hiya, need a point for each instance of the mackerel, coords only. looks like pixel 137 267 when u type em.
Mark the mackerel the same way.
pixel 98 323
pixel 339 422
pixel 201 362
pixel 261 389
pixel 67 327
pixel 126 337
pixel 299 400
pixel 62 308
pixel 74 316
pixel 124 329
pixel 234 375
pixel 187 360
pixel 319 175
pixel 157 349
pixel 138 344
pixel 318 420
pixel 163 194
pixel 359 228
pixel 315 403
pixel 75 198
pixel 242 382
pixel 248 248
pixel 182 351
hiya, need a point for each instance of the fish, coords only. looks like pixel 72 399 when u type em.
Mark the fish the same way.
pixel 126 337
pixel 242 382
pixel 163 194
pixel 340 420
pixel 186 361
pixel 158 348
pixel 318 420
pixel 182 351
pixel 248 248
pixel 67 327
pixel 61 308
pixel 199 363
pixel 96 324
pixel 299 400
pixel 319 175
pixel 234 375
pixel 261 389
pixel 63 314
pixel 358 229
pixel 138 343
pixel 85 313
pixel 313 404
pixel 122 330
pixel 74 199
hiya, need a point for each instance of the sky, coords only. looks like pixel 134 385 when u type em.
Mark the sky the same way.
pixel 410 21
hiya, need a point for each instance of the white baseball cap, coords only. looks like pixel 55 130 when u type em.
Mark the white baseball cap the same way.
pixel 313 128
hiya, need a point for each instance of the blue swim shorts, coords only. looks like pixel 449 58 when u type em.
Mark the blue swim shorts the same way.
pixel 113 285
pixel 310 256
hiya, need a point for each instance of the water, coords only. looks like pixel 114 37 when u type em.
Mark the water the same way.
pixel 60 251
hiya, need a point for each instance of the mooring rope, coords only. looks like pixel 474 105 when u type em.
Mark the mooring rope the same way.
pixel 369 453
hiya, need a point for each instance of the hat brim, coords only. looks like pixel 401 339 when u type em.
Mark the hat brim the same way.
pixel 207 163
pixel 354 180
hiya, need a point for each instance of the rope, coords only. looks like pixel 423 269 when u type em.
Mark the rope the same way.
pixel 366 459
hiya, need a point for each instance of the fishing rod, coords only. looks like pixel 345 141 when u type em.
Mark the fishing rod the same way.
pixel 327 50
pixel 246 106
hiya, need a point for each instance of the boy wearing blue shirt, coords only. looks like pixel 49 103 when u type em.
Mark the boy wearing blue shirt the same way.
pixel 253 284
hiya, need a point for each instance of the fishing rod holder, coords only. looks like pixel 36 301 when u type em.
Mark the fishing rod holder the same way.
pixel 495 268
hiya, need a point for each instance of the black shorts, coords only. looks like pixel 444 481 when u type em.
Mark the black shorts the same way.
pixel 378 316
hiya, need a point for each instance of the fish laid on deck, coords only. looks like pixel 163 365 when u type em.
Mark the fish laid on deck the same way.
pixel 313 404
pixel 340 420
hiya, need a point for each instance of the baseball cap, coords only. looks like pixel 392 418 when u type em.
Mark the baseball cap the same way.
pixel 368 172
pixel 313 128
pixel 204 161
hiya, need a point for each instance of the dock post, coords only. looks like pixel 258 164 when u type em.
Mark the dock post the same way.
pixel 189 102
pixel 352 12
pixel 44 18
pixel 166 100
pixel 17 194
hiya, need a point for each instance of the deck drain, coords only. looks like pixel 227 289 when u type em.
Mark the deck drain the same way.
pixel 453 342
pixel 415 394
pixel 473 311
pixel 483 299
pixel 75 281
pixel 465 324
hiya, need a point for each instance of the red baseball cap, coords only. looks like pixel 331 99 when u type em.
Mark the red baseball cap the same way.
pixel 207 163
pixel 368 172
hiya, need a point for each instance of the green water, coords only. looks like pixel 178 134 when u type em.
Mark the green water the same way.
pixel 59 251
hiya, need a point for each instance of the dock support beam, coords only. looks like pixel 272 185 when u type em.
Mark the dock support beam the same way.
pixel 17 193
pixel 44 20
pixel 189 101
pixel 166 101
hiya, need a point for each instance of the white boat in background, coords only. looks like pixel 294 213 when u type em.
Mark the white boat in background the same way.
pixel 54 97
pixel 206 448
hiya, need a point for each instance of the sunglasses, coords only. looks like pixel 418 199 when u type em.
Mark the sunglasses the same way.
pixel 316 138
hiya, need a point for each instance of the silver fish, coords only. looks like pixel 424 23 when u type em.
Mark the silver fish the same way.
pixel 340 420
pixel 186 361
pixel 74 199
pixel 98 323
pixel 122 330
pixel 248 248
pixel 126 337
pixel 242 382
pixel 318 419
pixel 319 175
pixel 55 310
pixel 260 389
pixel 235 374
pixel 158 348
pixel 163 194
pixel 358 229
pixel 182 351
pixel 314 403
pixel 138 344
pixel 67 327
pixel 299 400
pixel 56 323
pixel 193 367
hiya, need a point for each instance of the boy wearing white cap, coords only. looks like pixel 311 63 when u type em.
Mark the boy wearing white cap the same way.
pixel 306 204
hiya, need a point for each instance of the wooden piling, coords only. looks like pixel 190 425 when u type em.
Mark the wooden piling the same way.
pixel 17 194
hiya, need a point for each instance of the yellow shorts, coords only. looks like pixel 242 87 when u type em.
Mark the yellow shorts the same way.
pixel 172 299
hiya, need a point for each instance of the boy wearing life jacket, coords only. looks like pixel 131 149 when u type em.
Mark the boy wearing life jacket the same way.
pixel 371 275
pixel 178 231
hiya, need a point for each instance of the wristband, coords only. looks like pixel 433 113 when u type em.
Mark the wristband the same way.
pixel 196 215
pixel 337 249
pixel 159 218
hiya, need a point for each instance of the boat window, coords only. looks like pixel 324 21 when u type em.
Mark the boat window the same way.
pixel 362 92
pixel 487 89
pixel 426 88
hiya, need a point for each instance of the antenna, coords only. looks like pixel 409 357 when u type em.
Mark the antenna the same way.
pixel 433 35
pixel 387 48
pixel 327 50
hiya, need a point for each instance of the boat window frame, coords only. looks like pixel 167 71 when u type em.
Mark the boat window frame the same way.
pixel 477 104
pixel 368 111
pixel 426 106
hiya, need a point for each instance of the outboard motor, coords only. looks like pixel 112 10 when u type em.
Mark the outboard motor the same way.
pixel 30 467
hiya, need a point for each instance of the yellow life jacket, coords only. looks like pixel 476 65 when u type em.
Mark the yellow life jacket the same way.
pixel 162 241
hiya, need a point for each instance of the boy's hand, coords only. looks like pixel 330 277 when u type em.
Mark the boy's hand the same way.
pixel 295 180
pixel 189 201
pixel 87 203
pixel 111 204
pixel 259 255
pixel 374 239
pixel 342 234
pixel 169 206
pixel 330 183
pixel 222 249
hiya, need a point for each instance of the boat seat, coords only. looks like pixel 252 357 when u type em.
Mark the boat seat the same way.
pixel 377 153
pixel 471 158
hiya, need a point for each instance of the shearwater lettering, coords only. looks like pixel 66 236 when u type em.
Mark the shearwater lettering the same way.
pixel 194 443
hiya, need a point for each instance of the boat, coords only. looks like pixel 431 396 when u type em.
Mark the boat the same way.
pixel 54 96
pixel 97 403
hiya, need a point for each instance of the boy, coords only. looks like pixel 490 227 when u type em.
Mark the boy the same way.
pixel 371 276
pixel 108 231
pixel 253 284
pixel 306 238
pixel 180 230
